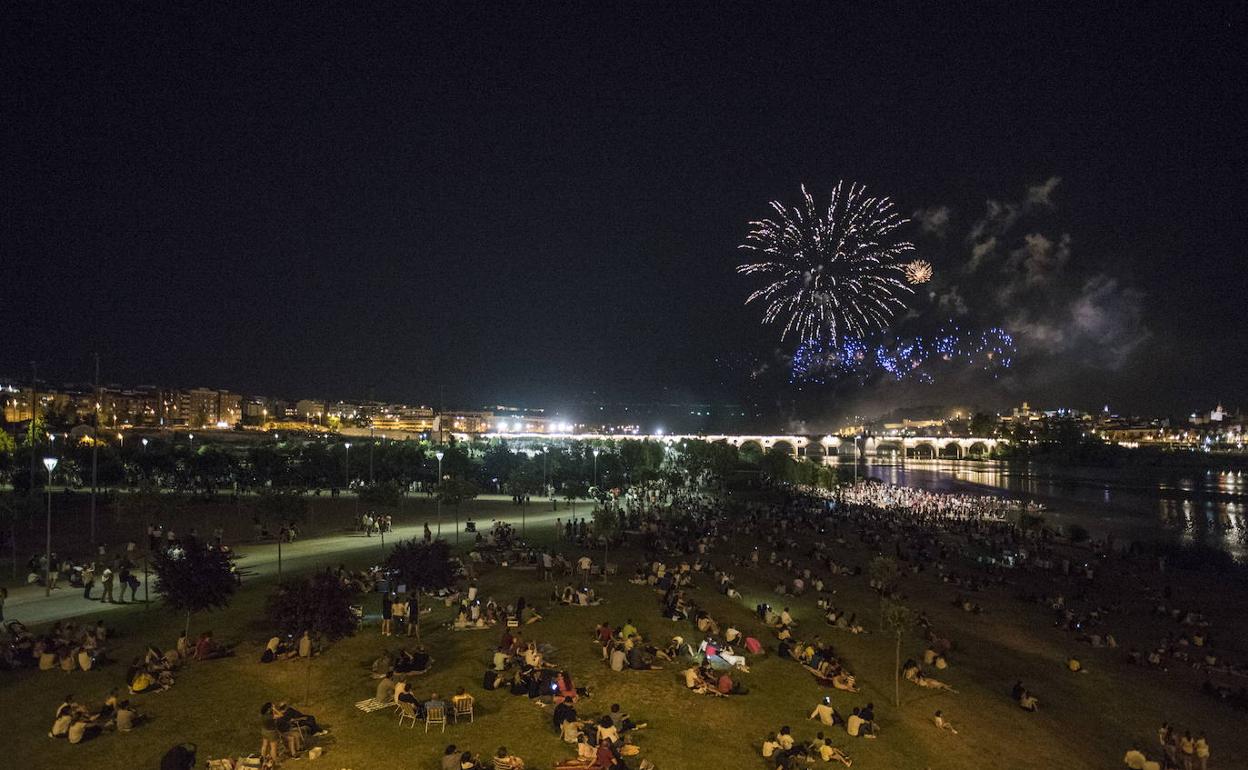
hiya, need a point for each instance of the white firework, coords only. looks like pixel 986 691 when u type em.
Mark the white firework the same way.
pixel 919 271
pixel 833 274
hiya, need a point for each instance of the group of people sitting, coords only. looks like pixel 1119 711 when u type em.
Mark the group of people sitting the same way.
pixel 912 672
pixel 279 648
pixel 283 726
pixel 624 647
pixel 585 596
pixel 473 615
pixel 65 647
pixel 76 723
pixel 153 670
pixel 600 743
pixel 455 759
pixel 784 752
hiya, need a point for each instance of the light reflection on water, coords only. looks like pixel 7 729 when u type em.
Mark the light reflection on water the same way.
pixel 1188 505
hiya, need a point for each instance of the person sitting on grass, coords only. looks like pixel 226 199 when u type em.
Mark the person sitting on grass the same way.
pixel 82 728
pixel 385 688
pixel 504 760
pixel 585 756
pixel 826 713
pixel 912 673
pixel 941 723
pixel 1075 666
pixel 126 717
pixel 695 682
pixel 1027 701
pixel 450 758
pixel 828 752
pixel 622 721
pixel 276 649
pixel 771 746
pixel 206 648
pixel 606 731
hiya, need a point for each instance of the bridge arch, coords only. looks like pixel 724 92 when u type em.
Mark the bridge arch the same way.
pixel 786 445
pixel 923 450
pixel 951 450
pixel 888 448
pixel 978 449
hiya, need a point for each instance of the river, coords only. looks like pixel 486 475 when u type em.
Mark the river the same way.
pixel 1189 505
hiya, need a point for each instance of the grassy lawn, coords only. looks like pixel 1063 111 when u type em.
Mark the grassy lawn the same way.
pixel 1086 721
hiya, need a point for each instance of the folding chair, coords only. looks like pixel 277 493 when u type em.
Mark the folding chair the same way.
pixel 407 711
pixel 462 708
pixel 435 715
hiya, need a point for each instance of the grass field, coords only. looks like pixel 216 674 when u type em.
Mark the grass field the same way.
pixel 1086 721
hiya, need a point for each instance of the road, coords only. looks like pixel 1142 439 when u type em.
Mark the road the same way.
pixel 29 604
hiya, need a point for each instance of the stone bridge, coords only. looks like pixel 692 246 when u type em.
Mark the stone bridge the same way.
pixel 817 448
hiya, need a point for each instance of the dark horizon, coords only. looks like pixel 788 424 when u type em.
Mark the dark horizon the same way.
pixel 540 206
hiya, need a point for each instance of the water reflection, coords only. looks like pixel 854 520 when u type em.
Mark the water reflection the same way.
pixel 1188 505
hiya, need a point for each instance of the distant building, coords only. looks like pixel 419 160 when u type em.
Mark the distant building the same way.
pixel 207 408
pixel 310 411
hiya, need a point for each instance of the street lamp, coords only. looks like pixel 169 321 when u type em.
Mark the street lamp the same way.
pixel 346 470
pixel 439 454
pixel 371 441
pixel 50 464
pixel 144 443
pixel 596 466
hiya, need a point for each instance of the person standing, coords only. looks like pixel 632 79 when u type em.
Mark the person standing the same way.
pixel 88 580
pixel 413 614
pixel 387 608
pixel 107 582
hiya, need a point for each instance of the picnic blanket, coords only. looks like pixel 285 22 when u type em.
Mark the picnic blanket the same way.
pixel 371 705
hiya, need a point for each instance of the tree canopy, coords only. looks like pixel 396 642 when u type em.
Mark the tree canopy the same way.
pixel 421 565
pixel 319 604
pixel 194 577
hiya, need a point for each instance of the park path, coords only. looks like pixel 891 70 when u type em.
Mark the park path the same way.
pixel 30 605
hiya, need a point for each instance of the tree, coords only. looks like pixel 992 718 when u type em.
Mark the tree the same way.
pixel 320 605
pixel 279 508
pixel 421 565
pixel 885 573
pixel 454 492
pixel 573 491
pixel 15 508
pixel 194 577
pixel 606 526
pixel 897 618
pixel 983 425
pixel 386 494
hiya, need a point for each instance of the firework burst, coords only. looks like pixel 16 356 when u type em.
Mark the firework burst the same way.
pixel 919 271
pixel 834 274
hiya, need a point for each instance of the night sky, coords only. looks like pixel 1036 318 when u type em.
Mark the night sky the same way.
pixel 541 204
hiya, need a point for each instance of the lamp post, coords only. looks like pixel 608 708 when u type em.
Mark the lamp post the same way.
pixel 439 454
pixel 346 466
pixel 371 441
pixel 595 466
pixel 50 464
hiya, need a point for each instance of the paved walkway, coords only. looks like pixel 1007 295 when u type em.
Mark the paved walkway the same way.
pixel 29 604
